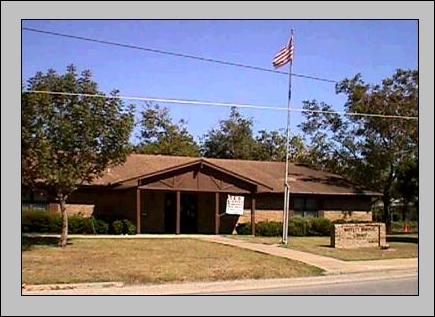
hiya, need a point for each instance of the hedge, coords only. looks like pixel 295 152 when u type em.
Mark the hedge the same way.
pixel 297 227
pixel 38 221
pixel 342 221
pixel 398 226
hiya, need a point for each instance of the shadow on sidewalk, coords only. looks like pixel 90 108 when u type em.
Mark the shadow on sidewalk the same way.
pixel 27 243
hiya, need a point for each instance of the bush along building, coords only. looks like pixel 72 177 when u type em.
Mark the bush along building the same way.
pixel 173 194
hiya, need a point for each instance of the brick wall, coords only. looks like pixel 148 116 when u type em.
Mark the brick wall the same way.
pixel 346 215
pixel 261 215
pixel 351 236
pixel 85 210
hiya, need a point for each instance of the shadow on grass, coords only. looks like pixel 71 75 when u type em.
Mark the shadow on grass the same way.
pixel 28 242
pixel 326 246
pixel 402 239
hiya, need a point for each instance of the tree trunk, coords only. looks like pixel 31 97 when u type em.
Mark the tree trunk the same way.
pixel 64 216
pixel 386 217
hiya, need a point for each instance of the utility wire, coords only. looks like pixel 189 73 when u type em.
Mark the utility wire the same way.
pixel 220 104
pixel 204 59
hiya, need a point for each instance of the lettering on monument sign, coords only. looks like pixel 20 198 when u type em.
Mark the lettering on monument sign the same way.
pixel 359 235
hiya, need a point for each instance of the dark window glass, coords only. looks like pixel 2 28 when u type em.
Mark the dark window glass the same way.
pixel 305 207
pixel 299 204
pixel 310 204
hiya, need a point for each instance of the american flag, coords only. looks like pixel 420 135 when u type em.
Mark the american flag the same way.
pixel 285 55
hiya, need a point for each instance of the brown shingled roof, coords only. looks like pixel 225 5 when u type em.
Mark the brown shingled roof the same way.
pixel 302 179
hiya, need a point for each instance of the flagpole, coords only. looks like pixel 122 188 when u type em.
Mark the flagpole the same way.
pixel 286 183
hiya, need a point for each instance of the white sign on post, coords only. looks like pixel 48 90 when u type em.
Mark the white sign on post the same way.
pixel 235 205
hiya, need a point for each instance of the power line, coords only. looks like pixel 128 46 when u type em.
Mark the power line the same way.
pixel 221 104
pixel 204 59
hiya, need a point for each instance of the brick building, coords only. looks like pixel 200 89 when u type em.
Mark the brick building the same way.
pixel 172 194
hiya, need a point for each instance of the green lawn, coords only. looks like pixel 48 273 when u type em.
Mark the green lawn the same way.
pixel 321 246
pixel 149 261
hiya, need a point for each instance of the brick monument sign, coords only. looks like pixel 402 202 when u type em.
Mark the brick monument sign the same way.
pixel 358 235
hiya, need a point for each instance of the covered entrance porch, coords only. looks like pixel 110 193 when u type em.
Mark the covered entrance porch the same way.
pixel 191 199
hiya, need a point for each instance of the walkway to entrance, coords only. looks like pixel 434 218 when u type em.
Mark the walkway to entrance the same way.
pixel 330 265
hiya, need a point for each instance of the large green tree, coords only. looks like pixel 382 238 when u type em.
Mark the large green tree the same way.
pixel 271 146
pixel 69 140
pixel 232 140
pixel 406 186
pixel 159 135
pixel 370 150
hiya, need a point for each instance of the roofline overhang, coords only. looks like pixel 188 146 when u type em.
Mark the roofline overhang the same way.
pixel 336 194
pixel 202 162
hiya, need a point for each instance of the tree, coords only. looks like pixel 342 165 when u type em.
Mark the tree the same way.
pixel 159 135
pixel 271 146
pixel 232 140
pixel 406 186
pixel 369 150
pixel 69 140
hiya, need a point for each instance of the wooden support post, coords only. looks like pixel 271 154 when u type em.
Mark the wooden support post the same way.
pixel 178 214
pixel 217 220
pixel 138 211
pixel 253 214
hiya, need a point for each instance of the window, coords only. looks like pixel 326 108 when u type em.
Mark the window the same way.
pixel 310 204
pixel 305 207
pixel 299 204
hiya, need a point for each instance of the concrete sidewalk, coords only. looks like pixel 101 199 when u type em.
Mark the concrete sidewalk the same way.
pixel 223 286
pixel 330 265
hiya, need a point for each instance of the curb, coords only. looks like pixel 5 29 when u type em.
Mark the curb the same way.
pixel 205 288
pixel 58 287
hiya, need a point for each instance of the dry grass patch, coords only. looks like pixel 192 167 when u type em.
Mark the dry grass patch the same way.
pixel 151 261
pixel 321 246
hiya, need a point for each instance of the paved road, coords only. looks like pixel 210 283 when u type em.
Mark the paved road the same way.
pixel 397 286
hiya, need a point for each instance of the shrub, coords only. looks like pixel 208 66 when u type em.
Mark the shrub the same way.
pixel 129 227
pixel 268 229
pixel 342 221
pixel 298 227
pixel 45 222
pixel 100 226
pixel 124 226
pixel 117 227
pixel 80 225
pixel 398 226
pixel 320 227
pixel 40 221
pixel 243 228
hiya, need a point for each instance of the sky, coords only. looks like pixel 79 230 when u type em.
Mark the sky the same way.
pixel 323 48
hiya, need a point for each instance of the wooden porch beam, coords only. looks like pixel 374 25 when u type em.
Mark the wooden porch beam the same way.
pixel 217 220
pixel 178 214
pixel 138 211
pixel 253 214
